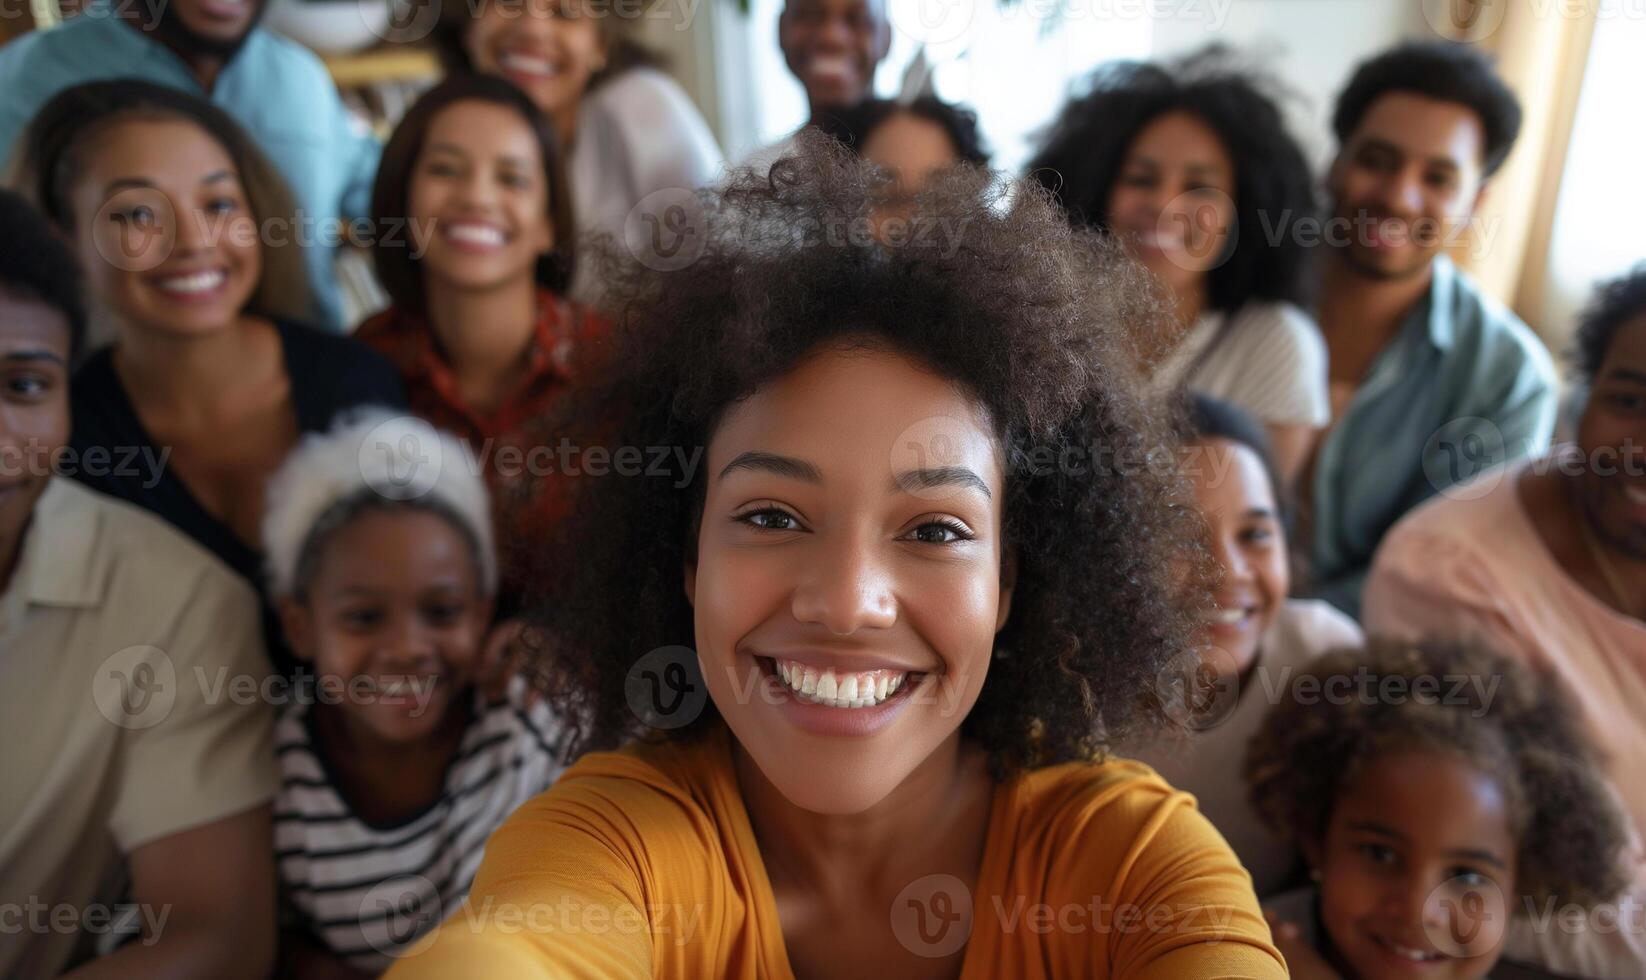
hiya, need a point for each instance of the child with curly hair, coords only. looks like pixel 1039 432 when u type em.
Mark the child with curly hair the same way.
pixel 1439 792
pixel 874 646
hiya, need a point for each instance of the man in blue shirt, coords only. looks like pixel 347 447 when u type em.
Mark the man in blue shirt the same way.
pixel 1432 382
pixel 275 88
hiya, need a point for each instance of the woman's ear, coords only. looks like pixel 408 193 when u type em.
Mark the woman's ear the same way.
pixel 1008 582
pixel 298 625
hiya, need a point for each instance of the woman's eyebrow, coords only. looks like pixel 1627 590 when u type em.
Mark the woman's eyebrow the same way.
pixel 787 466
pixel 30 354
pixel 940 476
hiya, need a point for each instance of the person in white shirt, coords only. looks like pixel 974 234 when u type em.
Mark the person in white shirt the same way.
pixel 1192 165
pixel 1256 638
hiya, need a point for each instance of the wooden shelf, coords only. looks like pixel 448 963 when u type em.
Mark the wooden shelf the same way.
pixel 389 63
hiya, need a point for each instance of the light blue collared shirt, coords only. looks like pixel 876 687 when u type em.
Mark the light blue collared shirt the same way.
pixel 275 88
pixel 1463 386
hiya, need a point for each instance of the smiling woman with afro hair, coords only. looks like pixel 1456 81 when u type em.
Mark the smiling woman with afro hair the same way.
pixel 917 560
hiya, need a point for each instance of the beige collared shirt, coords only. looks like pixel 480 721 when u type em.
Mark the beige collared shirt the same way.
pixel 119 638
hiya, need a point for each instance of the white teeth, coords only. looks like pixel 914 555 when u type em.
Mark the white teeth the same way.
pixel 1636 495
pixel 474 233
pixel 526 64
pixel 1229 616
pixel 199 282
pixel 843 690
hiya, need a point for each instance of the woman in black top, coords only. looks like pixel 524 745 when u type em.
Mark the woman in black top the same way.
pixel 191 259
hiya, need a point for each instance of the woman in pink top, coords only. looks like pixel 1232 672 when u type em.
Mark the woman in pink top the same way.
pixel 1548 559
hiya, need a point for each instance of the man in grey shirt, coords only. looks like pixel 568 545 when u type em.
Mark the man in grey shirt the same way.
pixel 1431 381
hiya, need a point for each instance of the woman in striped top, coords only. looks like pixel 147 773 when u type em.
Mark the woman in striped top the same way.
pixel 395 765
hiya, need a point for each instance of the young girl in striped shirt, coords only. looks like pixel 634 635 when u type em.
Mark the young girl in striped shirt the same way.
pixel 396 765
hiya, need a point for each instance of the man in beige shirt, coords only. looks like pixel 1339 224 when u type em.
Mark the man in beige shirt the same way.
pixel 134 794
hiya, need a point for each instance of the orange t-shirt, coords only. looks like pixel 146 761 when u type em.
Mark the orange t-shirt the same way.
pixel 642 863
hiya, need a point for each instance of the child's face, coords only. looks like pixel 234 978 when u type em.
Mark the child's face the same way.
pixel 165 231
pixel 851 534
pixel 1237 500
pixel 396 602
pixel 478 198
pixel 1417 868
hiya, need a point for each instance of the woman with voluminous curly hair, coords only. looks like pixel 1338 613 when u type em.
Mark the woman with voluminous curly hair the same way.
pixel 1190 163
pixel 915 562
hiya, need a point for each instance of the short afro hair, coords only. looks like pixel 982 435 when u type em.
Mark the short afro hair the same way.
pixel 36 263
pixel 1081 155
pixel 853 125
pixel 1525 731
pixel 1615 303
pixel 1442 70
pixel 994 291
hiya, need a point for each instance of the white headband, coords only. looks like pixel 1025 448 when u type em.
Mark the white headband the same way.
pixel 398 457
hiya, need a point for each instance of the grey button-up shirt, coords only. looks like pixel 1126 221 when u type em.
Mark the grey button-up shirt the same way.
pixel 1463 386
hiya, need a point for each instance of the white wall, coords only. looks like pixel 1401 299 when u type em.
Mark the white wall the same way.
pixel 1310 45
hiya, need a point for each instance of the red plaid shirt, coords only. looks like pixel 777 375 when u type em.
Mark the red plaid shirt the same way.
pixel 520 457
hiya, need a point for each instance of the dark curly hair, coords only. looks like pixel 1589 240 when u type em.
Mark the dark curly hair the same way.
pixel 1525 731
pixel 997 293
pixel 1616 302
pixel 1443 70
pixel 852 125
pixel 36 263
pixel 1081 156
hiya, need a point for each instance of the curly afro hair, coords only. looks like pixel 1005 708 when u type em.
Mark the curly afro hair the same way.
pixel 1525 731
pixel 1081 156
pixel 994 291
pixel 1616 302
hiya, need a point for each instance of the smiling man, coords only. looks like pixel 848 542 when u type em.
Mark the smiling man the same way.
pixel 1431 380
pixel 134 803
pixel 277 89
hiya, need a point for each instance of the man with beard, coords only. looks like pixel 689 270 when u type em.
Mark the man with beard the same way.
pixel 1431 381
pixel 277 89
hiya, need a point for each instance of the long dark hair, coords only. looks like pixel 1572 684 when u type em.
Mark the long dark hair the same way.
pixel 400 273
pixel 1080 159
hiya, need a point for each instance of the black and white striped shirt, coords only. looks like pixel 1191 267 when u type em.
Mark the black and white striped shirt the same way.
pixel 367 891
